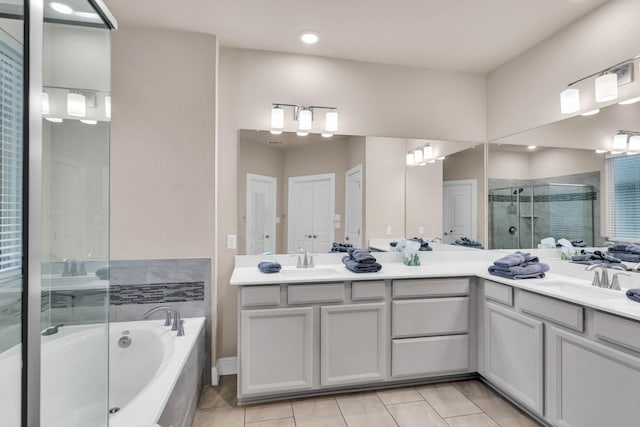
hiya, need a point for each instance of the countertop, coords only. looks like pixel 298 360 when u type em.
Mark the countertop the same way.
pixel 568 283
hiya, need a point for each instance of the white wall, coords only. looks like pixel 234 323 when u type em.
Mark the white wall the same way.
pixel 372 99
pixel 525 92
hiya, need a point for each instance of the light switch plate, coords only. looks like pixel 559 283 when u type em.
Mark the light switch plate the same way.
pixel 421 230
pixel 388 229
pixel 231 241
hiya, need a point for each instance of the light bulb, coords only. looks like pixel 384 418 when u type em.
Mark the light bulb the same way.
pixel 309 37
pixel 305 118
pixel 607 87
pixel 630 101
pixel 326 135
pixel 54 119
pixel 277 118
pixel 275 132
pixel 61 8
pixel 531 147
pixel 569 101
pixel 76 104
pixel 331 121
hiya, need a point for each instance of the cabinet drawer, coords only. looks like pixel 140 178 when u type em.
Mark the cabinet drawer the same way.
pixel 618 330
pixel 430 287
pixel 437 316
pixel 312 293
pixel 562 313
pixel 432 355
pixel 260 295
pixel 498 292
pixel 368 290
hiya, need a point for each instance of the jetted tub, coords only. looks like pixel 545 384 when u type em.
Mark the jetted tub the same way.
pixel 142 375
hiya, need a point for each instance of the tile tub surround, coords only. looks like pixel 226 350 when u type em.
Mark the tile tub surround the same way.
pixel 462 403
pixel 137 286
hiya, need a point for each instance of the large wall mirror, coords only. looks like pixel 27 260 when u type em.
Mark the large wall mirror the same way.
pixel 312 191
pixel 566 180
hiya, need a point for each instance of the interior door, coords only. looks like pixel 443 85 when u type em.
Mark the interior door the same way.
pixel 261 214
pixel 310 213
pixel 353 207
pixel 459 206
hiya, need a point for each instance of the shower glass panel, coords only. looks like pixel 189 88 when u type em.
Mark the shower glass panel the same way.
pixel 75 211
pixel 504 218
pixel 11 210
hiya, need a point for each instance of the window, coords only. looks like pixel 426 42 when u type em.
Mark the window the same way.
pixel 623 197
pixel 10 158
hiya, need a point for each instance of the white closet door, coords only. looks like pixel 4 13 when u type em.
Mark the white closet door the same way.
pixel 261 214
pixel 310 213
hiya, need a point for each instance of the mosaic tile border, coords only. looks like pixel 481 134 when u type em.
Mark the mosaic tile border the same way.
pixel 156 293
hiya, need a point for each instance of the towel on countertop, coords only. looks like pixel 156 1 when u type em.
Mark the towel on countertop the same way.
pixel 515 258
pixel 523 269
pixel 269 266
pixel 625 256
pixel 508 275
pixel 362 256
pixel 578 243
pixel 341 247
pixel 424 245
pixel 468 242
pixel 598 256
pixel 634 294
pixel 361 261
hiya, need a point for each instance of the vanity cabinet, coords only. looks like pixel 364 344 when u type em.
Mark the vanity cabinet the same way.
pixel 352 344
pixel 276 350
pixel 591 384
pixel 514 354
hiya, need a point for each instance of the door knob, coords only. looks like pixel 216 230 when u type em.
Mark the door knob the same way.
pixel 307 236
pixel 266 236
pixel 315 236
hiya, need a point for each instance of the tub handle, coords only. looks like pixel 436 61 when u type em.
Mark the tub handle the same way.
pixel 180 329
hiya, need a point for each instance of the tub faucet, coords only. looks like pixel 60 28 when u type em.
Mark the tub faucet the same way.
pixel 172 316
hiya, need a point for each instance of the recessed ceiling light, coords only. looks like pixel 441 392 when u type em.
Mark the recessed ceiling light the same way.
pixel 591 113
pixel 309 37
pixel 630 101
pixel 61 8
pixel 531 147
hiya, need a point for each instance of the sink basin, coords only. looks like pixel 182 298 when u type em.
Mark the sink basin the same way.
pixel 587 290
pixel 306 272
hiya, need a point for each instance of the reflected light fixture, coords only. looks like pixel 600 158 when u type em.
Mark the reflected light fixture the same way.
pixel 569 100
pixel 54 119
pixel 107 106
pixel 634 143
pixel 601 151
pixel 427 152
pixel 630 101
pixel 440 158
pixel 275 132
pixel 620 141
pixel 89 122
pixel 303 114
pixel 326 135
pixel 591 113
pixel 531 147
pixel 305 119
pixel 277 117
pixel 418 156
pixel 302 133
pixel 45 103
pixel 606 87
pixel 76 104
pixel 61 8
pixel 309 37
pixel 331 121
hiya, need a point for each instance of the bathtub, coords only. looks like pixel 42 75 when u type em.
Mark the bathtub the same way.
pixel 73 381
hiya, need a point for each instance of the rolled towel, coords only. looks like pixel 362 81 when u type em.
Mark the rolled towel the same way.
pixel 515 258
pixel 358 267
pixel 269 266
pixel 634 294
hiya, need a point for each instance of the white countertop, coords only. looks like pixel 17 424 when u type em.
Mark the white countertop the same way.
pixel 565 281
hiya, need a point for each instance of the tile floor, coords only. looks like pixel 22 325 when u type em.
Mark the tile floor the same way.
pixel 455 404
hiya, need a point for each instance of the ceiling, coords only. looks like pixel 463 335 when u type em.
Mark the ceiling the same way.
pixel 463 35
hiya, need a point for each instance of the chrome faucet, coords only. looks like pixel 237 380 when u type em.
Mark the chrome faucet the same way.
pixel 305 259
pixel 172 318
pixel 602 281
pixel 636 267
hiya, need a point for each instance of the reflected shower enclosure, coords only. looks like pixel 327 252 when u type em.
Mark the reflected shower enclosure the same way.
pixel 520 217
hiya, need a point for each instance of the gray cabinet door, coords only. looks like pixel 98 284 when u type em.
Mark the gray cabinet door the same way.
pixel 514 355
pixel 590 384
pixel 276 350
pixel 353 344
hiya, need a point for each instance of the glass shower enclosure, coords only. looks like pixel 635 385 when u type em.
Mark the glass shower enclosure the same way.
pixel 520 217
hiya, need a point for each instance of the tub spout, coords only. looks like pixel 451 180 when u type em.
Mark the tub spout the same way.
pixel 168 310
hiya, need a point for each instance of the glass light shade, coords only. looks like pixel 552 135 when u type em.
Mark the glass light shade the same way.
pixel 107 106
pixel 89 122
pixel 76 105
pixel 275 132
pixel 301 133
pixel 61 8
pixel 277 118
pixel 620 141
pixel 531 147
pixel 331 121
pixel 607 87
pixel 45 103
pixel 305 118
pixel 417 156
pixel 569 101
pixel 54 119
pixel 634 143
pixel 427 152
pixel 410 159
pixel 326 135
pixel 601 151
pixel 591 113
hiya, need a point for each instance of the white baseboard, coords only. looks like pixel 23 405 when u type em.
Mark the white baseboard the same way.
pixel 224 366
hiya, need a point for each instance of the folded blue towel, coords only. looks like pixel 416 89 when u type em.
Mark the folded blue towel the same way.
pixel 515 258
pixel 634 294
pixel 598 256
pixel 358 267
pixel 269 266
pixel 362 256
pixel 634 249
pixel 620 247
pixel 509 275
pixel 523 269
pixel 626 256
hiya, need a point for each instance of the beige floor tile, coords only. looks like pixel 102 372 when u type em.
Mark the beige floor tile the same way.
pixel 268 411
pixel 504 413
pixel 317 412
pixel 399 395
pixel 474 389
pixel 282 422
pixel 476 420
pixel 227 417
pixel 223 395
pixel 448 401
pixel 364 410
pixel 416 414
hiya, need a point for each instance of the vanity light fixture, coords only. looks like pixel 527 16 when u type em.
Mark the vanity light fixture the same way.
pixel 54 119
pixel 89 122
pixel 303 114
pixel 326 135
pixel 107 106
pixel 302 133
pixel 630 101
pixel 410 159
pixel 606 84
pixel 427 152
pixel 418 156
pixel 620 141
pixel 634 143
pixel 531 147
pixel 591 113
pixel 61 8
pixel 309 37
pixel 76 104
pixel 45 103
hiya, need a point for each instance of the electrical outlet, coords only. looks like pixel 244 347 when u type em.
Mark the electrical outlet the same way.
pixel 231 241
pixel 421 230
pixel 389 230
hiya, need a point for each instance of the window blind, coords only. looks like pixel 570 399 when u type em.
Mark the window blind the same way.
pixel 622 176
pixel 11 100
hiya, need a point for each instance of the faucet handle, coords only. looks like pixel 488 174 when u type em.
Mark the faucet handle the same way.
pixel 176 321
pixel 615 282
pixel 311 261
pixel 180 329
